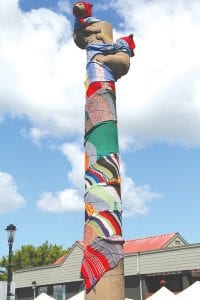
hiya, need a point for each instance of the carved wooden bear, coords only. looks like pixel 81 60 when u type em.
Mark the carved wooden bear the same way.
pixel 97 37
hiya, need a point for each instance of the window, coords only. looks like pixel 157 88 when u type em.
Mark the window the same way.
pixel 59 292
pixel 177 242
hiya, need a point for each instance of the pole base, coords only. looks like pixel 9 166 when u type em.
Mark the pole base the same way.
pixel 111 286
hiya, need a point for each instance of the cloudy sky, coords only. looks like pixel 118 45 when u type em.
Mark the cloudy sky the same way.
pixel 42 91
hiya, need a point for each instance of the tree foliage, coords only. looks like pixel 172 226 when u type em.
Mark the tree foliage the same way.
pixel 29 256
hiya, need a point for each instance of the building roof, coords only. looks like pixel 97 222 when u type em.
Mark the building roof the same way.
pixel 138 245
pixel 169 260
pixel 148 243
pixel 60 260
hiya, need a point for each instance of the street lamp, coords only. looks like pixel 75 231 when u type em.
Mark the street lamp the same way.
pixel 11 233
pixel 34 283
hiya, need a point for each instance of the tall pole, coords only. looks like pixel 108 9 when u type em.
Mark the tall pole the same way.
pixel 11 232
pixel 9 294
pixel 103 265
pixel 34 288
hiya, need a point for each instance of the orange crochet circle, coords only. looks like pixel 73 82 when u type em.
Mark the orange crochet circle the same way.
pixel 89 209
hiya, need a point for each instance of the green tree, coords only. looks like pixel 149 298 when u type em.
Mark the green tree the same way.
pixel 29 256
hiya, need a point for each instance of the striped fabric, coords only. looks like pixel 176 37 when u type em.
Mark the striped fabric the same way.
pixel 103 208
pixel 93 267
pixel 111 249
pixel 99 257
pixel 103 240
pixel 120 45
pixel 98 72
pixel 103 198
pixel 102 231
pixel 104 170
pixel 106 223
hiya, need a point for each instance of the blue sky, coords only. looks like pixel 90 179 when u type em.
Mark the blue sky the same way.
pixel 42 116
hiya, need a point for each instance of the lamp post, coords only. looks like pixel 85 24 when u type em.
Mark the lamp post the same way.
pixel 11 233
pixel 34 288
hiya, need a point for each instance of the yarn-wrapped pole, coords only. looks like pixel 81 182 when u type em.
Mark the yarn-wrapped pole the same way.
pixel 102 267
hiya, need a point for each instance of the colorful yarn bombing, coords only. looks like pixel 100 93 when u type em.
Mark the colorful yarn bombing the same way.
pixel 107 61
pixel 98 72
pixel 100 107
pixel 104 170
pixel 95 86
pixel 110 248
pixel 103 229
pixel 106 223
pixel 99 257
pixel 100 141
pixel 102 180
pixel 103 198
pixel 103 206
pixel 93 267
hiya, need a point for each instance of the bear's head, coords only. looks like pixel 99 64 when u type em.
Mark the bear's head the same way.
pixel 82 9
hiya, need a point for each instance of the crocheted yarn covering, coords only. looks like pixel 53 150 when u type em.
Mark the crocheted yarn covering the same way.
pixel 105 169
pixel 107 61
pixel 100 107
pixel 103 208
pixel 99 257
pixel 102 198
pixel 93 267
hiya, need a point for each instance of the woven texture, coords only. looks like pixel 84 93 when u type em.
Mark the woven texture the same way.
pixel 99 257
pixel 111 249
pixel 107 61
pixel 103 198
pixel 97 85
pixel 104 170
pixel 106 223
pixel 93 267
pixel 101 140
pixel 103 208
pixel 98 72
pixel 100 107
pixel 119 46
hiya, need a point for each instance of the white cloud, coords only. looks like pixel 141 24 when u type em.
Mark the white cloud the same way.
pixel 75 156
pixel 10 199
pixel 159 98
pixel 61 202
pixel 135 198
pixel 39 70
pixel 42 72
pixel 68 200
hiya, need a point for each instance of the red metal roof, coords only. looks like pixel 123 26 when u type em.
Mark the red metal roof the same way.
pixel 59 260
pixel 148 243
pixel 138 245
pixel 145 244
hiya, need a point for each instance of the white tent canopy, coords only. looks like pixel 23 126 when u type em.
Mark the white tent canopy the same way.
pixel 192 292
pixel 163 294
pixel 44 296
pixel 80 296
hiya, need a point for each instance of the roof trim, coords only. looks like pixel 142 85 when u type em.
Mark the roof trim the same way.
pixel 189 246
pixel 53 265
pixel 177 234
